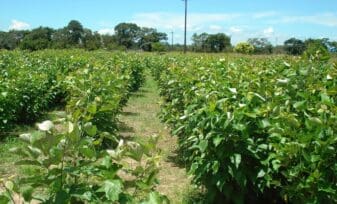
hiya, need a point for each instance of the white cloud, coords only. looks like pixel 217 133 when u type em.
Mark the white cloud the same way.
pixel 105 31
pixel 235 30
pixel 325 19
pixel 18 25
pixel 173 21
pixel 238 25
pixel 215 28
pixel 268 32
pixel 265 14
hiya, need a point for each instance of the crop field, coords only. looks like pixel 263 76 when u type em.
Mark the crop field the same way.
pixel 82 127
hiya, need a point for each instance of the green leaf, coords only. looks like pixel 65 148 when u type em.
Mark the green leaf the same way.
pixel 112 189
pixel 75 134
pixel 276 164
pixel 251 115
pixel 92 108
pixel 236 160
pixel 215 167
pixel 61 197
pixel 217 140
pixel 156 198
pixel 240 127
pixel 4 199
pixel 265 123
pixel 27 193
pixel 203 145
pixel 90 129
pixel 299 105
pixel 85 196
pixel 4 94
pixel 325 99
pixel 263 146
pixel 88 152
pixel 292 120
pixel 9 185
pixel 176 131
pixel 315 121
pixel 261 173
pixel 136 152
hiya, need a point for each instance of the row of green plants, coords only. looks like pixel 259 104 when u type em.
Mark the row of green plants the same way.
pixel 254 130
pixel 31 83
pixel 80 158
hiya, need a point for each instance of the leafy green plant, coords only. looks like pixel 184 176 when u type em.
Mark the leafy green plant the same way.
pixel 32 83
pixel 316 51
pixel 80 158
pixel 244 48
pixel 253 130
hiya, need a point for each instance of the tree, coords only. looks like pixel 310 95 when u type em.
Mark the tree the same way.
pixel 158 47
pixel 333 46
pixel 218 42
pixel 11 40
pixel 60 39
pixel 210 42
pixel 109 41
pixel 200 42
pixel 91 41
pixel 75 32
pixel 294 46
pixel 261 45
pixel 127 34
pixel 244 48
pixel 37 39
pixel 148 36
pixel 323 42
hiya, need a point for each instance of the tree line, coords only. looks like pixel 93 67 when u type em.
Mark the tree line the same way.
pixel 131 36
pixel 220 42
pixel 74 35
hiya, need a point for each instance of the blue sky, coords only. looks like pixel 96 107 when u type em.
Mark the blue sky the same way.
pixel 277 20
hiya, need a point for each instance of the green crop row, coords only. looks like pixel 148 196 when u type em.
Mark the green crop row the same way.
pixel 254 130
pixel 79 158
pixel 31 83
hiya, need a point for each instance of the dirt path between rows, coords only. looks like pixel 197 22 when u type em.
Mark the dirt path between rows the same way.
pixel 140 119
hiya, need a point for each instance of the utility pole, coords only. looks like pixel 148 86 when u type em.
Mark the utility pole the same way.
pixel 185 33
pixel 172 39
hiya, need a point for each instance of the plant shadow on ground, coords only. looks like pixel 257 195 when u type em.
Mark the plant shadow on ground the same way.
pixel 126 113
pixel 193 194
pixel 137 95
pixel 126 131
pixel 176 159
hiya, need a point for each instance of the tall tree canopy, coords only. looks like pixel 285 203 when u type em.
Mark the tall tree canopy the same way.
pixel 75 32
pixel 127 34
pixel 294 46
pixel 37 39
pixel 211 42
pixel 11 40
pixel 148 36
pixel 261 45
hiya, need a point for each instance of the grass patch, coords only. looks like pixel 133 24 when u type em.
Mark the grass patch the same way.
pixel 7 167
pixel 11 140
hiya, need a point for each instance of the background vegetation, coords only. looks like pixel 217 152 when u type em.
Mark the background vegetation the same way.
pixel 129 36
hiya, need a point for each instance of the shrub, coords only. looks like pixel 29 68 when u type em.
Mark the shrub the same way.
pixel 244 48
pixel 316 51
pixel 158 47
